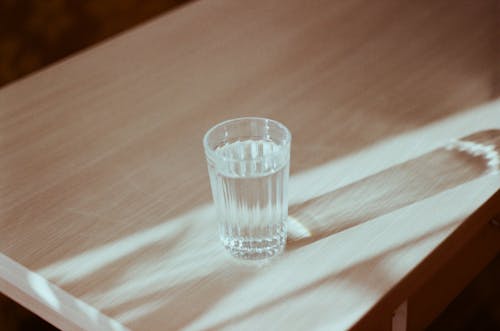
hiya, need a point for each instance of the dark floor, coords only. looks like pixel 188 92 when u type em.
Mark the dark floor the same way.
pixel 34 34
pixel 477 308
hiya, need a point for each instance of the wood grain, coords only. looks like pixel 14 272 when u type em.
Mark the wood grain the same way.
pixel 103 184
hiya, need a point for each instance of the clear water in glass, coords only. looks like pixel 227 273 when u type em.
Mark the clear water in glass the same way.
pixel 249 186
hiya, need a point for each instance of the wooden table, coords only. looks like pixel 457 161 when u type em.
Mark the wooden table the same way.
pixel 105 211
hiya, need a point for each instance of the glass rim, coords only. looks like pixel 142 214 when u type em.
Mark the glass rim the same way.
pixel 211 152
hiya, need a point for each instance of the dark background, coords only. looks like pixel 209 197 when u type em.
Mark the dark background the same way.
pixel 36 33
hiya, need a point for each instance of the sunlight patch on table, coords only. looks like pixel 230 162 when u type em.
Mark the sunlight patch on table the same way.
pixel 389 152
pixel 88 262
pixel 41 287
pixel 296 229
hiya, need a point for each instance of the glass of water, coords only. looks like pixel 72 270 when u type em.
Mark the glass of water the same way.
pixel 248 164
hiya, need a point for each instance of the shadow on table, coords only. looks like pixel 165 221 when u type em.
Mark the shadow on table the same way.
pixel 172 288
pixel 166 283
pixel 172 270
pixel 396 187
pixel 176 276
pixel 157 292
pixel 355 274
pixel 387 191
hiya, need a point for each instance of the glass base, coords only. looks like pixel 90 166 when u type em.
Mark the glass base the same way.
pixel 255 249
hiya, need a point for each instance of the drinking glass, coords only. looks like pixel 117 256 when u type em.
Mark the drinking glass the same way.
pixel 248 164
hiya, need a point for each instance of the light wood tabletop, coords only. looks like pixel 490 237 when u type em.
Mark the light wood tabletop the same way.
pixel 106 215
